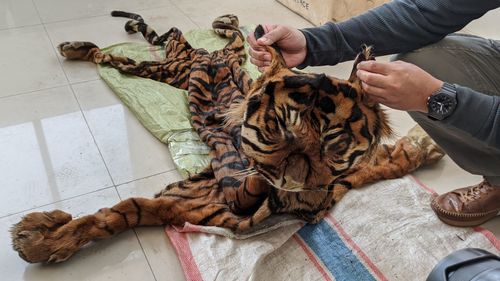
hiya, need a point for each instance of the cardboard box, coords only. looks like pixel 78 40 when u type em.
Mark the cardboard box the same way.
pixel 319 12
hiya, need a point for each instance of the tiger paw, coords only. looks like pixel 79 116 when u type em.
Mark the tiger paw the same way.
pixel 228 19
pixel 35 240
pixel 76 50
pixel 420 138
pixel 227 23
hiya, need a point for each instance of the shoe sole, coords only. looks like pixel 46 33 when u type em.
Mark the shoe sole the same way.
pixel 461 220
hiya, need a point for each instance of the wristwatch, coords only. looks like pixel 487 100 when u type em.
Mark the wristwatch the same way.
pixel 443 102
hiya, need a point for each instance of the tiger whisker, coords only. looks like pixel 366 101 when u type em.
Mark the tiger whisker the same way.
pixel 245 175
pixel 245 171
pixel 319 188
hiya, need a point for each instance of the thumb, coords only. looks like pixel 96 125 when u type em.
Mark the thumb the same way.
pixel 272 36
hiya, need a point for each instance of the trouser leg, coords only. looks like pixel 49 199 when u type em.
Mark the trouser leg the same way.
pixel 469 61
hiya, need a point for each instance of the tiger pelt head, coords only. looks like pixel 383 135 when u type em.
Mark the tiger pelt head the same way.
pixel 304 131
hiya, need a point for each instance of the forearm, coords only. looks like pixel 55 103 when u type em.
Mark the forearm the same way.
pixel 478 115
pixel 398 26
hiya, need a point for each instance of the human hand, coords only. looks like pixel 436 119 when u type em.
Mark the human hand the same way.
pixel 399 85
pixel 291 42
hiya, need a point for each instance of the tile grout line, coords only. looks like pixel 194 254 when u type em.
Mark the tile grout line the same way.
pixel 87 17
pixel 37 90
pixel 57 201
pixel 76 98
pixel 145 177
pixel 28 25
pixel 93 137
pixel 20 26
pixel 134 228
pixel 144 252
pixel 184 13
pixel 49 88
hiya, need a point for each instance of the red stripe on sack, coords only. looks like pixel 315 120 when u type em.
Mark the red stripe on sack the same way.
pixel 188 228
pixel 312 257
pixel 355 247
pixel 422 185
pixel 181 245
pixel 489 235
pixel 486 233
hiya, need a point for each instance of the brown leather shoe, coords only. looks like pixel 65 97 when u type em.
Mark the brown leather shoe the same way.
pixel 468 206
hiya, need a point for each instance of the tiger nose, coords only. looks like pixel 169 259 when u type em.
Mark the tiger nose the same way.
pixel 291 184
pixel 295 172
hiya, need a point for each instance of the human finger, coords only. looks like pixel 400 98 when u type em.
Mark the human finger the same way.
pixel 375 99
pixel 252 41
pixel 272 36
pixel 373 91
pixel 259 63
pixel 259 55
pixel 372 79
pixel 380 67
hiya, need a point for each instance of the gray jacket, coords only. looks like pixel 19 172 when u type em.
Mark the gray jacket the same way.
pixel 404 25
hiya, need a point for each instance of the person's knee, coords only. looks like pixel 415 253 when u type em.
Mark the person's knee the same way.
pixel 410 57
pixel 424 121
pixel 451 48
pixel 438 51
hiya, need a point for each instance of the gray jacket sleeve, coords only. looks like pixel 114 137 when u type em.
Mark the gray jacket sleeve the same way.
pixel 478 115
pixel 404 25
pixel 395 27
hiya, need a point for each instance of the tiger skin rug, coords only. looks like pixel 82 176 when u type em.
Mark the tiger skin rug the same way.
pixel 287 143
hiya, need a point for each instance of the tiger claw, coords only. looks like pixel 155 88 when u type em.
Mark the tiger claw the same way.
pixel 34 241
pixel 75 50
pixel 420 138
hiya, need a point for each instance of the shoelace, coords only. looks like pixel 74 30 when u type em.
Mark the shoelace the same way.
pixel 475 192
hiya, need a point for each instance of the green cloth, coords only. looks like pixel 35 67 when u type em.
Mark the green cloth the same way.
pixel 161 108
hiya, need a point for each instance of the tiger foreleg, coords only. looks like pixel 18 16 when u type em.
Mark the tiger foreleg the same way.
pixel 431 151
pixel 394 161
pixel 55 236
pixel 50 237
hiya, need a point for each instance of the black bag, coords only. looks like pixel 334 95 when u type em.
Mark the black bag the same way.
pixel 467 265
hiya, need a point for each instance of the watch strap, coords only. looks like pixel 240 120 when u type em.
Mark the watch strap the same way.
pixel 447 89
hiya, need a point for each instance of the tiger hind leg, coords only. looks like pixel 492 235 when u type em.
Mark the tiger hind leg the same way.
pixel 156 70
pixel 88 51
pixel 393 161
pixel 228 26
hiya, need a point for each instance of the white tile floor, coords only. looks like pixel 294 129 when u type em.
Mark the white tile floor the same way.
pixel 67 142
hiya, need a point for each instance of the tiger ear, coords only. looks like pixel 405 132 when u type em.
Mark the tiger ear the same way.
pixel 277 60
pixel 364 55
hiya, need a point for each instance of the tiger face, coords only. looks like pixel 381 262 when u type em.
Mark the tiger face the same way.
pixel 304 131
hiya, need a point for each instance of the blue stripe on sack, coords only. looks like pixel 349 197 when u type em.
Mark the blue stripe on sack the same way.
pixel 334 253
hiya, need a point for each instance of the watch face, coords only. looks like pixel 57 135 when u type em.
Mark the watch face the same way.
pixel 442 104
